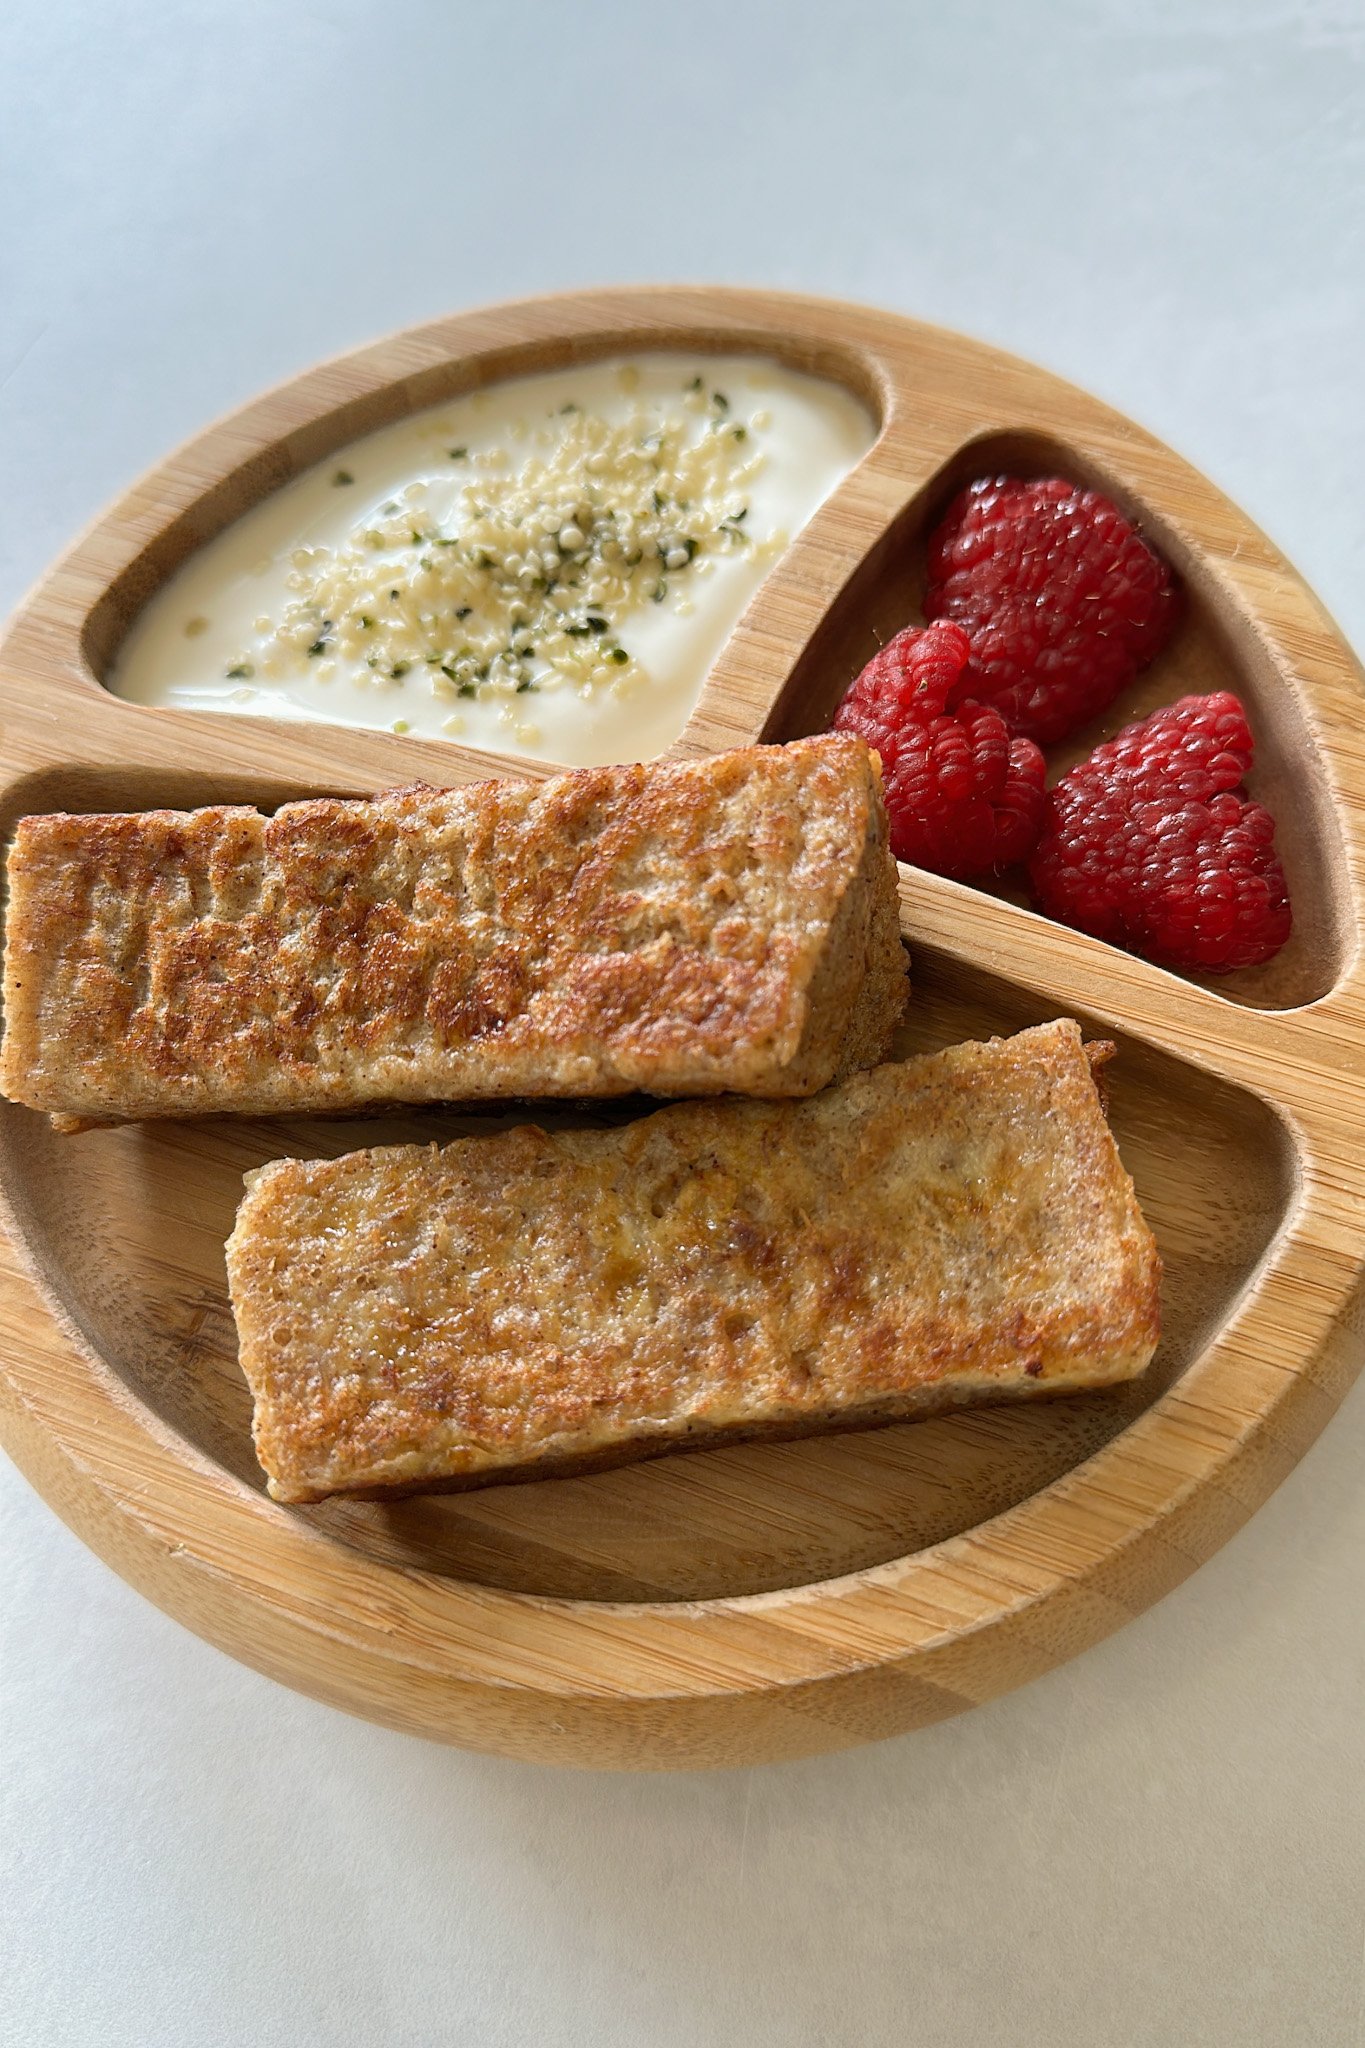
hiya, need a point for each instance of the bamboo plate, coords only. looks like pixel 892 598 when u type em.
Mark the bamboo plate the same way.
pixel 766 1601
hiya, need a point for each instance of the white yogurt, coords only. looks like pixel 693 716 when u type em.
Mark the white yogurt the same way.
pixel 619 687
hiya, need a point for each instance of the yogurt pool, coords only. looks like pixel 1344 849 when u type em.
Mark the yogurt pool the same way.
pixel 547 568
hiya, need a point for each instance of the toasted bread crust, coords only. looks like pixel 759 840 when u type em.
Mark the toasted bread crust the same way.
pixel 954 1229
pixel 684 928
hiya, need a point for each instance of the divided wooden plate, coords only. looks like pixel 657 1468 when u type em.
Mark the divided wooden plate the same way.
pixel 770 1601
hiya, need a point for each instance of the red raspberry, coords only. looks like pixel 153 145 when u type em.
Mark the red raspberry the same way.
pixel 1150 843
pixel 963 798
pixel 1064 600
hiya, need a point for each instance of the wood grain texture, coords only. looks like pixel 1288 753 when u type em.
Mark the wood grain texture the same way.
pixel 768 1601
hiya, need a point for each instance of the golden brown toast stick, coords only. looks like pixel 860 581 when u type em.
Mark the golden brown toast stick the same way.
pixel 955 1229
pixel 686 928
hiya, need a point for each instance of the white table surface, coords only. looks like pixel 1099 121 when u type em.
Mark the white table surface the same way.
pixel 1163 1842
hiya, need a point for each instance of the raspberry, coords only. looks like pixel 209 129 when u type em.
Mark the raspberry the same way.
pixel 1064 600
pixel 963 798
pixel 1152 844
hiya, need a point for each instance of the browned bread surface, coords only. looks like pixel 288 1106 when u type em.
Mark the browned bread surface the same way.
pixel 957 1228
pixel 686 928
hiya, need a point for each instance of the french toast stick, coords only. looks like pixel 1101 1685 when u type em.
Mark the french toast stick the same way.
pixel 682 928
pixel 956 1228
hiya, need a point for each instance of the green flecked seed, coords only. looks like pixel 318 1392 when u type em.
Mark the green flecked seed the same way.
pixel 343 476
pixel 457 454
pixel 319 646
pixel 401 725
pixel 400 668
pixel 468 690
pixel 618 654
pixel 242 668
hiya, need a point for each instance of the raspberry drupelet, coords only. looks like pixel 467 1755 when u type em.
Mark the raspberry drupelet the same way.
pixel 1063 599
pixel 963 798
pixel 1152 844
